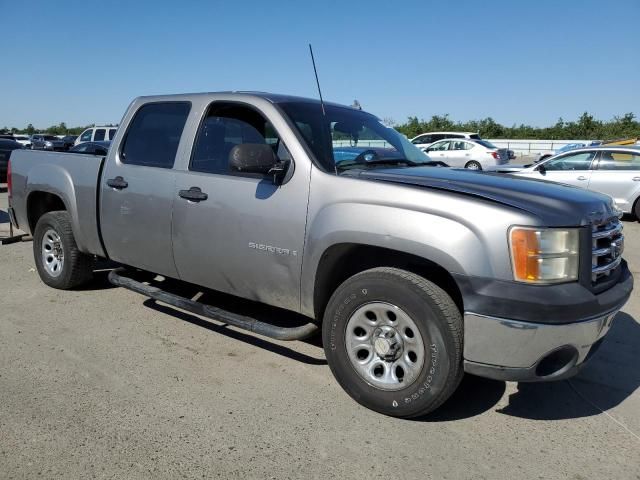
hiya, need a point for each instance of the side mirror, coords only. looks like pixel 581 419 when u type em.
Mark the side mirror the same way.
pixel 541 169
pixel 257 158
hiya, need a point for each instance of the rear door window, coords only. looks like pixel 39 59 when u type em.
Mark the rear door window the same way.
pixel 619 161
pixel 112 133
pixel 154 134
pixel 99 136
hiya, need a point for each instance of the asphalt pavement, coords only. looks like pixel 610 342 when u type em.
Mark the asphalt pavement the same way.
pixel 103 383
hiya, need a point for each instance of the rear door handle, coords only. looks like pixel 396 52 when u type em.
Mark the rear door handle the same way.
pixel 636 179
pixel 118 183
pixel 194 194
pixel 582 178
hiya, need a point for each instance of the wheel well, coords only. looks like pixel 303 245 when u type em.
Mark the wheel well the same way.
pixel 40 203
pixel 342 261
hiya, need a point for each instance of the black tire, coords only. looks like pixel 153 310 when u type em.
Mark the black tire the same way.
pixel 439 323
pixel 76 268
pixel 636 209
pixel 473 165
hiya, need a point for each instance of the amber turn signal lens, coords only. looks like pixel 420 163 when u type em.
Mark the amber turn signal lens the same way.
pixel 524 245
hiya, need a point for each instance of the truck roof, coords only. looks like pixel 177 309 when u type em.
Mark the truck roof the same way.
pixel 271 97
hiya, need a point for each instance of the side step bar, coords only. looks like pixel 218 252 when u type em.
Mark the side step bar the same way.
pixel 118 278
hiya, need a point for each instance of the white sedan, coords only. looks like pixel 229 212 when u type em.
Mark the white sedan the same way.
pixel 468 153
pixel 611 170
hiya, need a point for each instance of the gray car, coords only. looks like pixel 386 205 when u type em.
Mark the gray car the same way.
pixel 47 142
pixel 614 171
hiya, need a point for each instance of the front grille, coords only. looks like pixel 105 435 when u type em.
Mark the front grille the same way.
pixel 607 247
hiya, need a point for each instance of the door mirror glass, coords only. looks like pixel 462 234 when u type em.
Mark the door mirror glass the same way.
pixel 252 158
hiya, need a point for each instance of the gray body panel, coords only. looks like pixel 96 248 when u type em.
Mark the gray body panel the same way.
pixel 71 177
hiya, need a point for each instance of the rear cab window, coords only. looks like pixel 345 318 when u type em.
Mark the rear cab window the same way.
pixel 154 134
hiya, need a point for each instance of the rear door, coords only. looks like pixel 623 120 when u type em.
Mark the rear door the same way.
pixel 618 174
pixel 459 153
pixel 137 188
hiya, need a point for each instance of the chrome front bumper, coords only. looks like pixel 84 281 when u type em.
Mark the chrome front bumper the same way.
pixel 512 350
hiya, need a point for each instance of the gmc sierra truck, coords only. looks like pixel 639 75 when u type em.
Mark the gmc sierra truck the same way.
pixel 414 273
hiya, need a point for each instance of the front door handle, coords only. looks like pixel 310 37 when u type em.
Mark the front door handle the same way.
pixel 582 178
pixel 118 183
pixel 194 194
pixel 636 179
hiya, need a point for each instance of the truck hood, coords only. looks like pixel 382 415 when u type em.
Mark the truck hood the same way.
pixel 555 204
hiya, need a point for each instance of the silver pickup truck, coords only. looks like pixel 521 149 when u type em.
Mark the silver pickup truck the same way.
pixel 414 273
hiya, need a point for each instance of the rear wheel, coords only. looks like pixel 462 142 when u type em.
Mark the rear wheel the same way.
pixel 636 209
pixel 393 340
pixel 473 165
pixel 59 262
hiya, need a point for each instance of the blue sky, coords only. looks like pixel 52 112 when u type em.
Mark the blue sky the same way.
pixel 516 61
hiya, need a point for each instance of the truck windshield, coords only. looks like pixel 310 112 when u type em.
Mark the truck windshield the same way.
pixel 345 138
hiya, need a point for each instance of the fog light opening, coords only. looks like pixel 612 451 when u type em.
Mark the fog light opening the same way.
pixel 557 362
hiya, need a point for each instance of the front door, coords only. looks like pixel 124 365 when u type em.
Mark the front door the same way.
pixel 440 151
pixel 244 235
pixel 137 189
pixel 571 168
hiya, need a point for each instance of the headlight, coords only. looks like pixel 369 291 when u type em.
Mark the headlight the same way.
pixel 48 144
pixel 544 255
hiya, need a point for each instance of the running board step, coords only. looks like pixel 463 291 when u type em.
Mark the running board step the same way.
pixel 118 278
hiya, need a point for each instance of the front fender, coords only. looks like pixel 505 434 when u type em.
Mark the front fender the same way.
pixel 441 240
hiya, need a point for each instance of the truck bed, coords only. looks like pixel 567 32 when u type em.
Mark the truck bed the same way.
pixel 71 177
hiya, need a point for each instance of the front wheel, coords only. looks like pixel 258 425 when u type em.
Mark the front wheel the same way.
pixel 393 340
pixel 473 165
pixel 59 262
